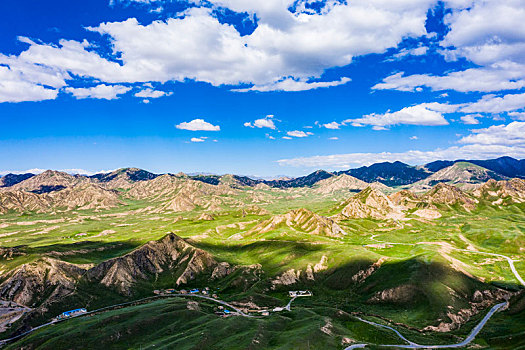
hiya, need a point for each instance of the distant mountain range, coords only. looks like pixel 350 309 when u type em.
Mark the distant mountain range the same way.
pixel 391 174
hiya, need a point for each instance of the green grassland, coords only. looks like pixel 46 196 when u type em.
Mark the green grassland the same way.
pixel 421 258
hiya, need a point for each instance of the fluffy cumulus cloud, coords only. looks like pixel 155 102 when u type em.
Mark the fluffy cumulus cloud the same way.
pixel 290 84
pixel 490 34
pixel 332 125
pixel 517 115
pixel 495 104
pixel 102 91
pixel 266 122
pixel 485 143
pixel 299 133
pixel 511 134
pixel 411 157
pixel 471 119
pixel 423 114
pixel 289 50
pixel 198 139
pixel 198 125
pixel 151 93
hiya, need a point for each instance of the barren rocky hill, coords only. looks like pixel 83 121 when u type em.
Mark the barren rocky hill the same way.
pixel 461 174
pixel 47 280
pixel 49 181
pixel 123 178
pixel 300 220
pixel 82 196
pixel 370 203
pixel 503 191
pixel 449 195
pixel 341 182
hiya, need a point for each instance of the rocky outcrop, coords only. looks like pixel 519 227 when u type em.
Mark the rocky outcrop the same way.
pixel 502 192
pixel 300 220
pixel 287 278
pixel 20 201
pixel 449 195
pixel 123 178
pixel 253 210
pixel 48 277
pixel 85 197
pixel 481 300
pixel 398 295
pixel 49 179
pixel 405 199
pixel 171 253
pixel 362 275
pixel 342 182
pixel 461 174
pixel 82 196
pixel 370 203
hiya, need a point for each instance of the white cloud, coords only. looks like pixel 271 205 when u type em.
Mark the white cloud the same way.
pixel 491 34
pixel 298 133
pixel 24 83
pixel 423 114
pixel 332 125
pixel 150 93
pixel 102 91
pixel 414 137
pixel 286 51
pixel 517 115
pixel 413 157
pixel 494 104
pixel 333 138
pixel 287 137
pixel 198 125
pixel 197 139
pixel 290 84
pixel 504 76
pixel 471 119
pixel 417 51
pixel 265 122
pixel 511 134
pixel 492 142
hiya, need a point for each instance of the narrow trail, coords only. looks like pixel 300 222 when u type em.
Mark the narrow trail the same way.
pixel 509 260
pixel 473 333
pixel 412 345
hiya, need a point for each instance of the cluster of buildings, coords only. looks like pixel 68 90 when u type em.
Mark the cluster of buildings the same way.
pixel 299 293
pixel 204 291
pixel 71 313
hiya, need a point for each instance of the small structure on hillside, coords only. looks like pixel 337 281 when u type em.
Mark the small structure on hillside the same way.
pixel 299 293
pixel 72 313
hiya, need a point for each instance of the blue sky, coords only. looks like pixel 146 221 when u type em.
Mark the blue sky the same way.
pixel 258 87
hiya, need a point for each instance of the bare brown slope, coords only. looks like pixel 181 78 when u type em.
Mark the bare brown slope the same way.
pixel 370 203
pixel 449 195
pixel 50 179
pixel 46 280
pixel 171 253
pixel 82 196
pixel 300 220
pixel 502 192
pixel 339 183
